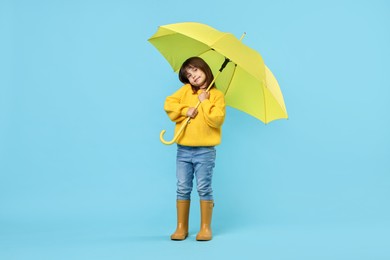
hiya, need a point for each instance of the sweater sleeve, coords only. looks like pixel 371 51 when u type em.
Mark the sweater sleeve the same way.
pixel 214 110
pixel 174 108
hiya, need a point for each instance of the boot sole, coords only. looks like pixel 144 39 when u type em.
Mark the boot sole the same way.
pixel 179 238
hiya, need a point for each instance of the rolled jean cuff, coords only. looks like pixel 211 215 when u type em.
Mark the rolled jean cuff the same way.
pixel 183 197
pixel 206 197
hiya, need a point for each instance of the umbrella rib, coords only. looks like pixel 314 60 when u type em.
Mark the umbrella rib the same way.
pixel 231 78
pixel 209 49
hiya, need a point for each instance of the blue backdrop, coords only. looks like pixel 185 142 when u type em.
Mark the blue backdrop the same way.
pixel 83 174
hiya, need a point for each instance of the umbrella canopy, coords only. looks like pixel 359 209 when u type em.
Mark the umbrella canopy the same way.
pixel 247 83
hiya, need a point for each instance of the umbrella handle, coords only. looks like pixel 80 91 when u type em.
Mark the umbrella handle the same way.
pixel 177 134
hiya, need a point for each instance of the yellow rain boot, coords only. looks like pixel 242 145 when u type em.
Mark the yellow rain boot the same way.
pixel 206 212
pixel 183 210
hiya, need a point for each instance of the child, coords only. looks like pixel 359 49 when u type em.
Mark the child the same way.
pixel 195 146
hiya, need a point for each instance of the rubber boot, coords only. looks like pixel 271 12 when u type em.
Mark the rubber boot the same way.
pixel 206 212
pixel 183 210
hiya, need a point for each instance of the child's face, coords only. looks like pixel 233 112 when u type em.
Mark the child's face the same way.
pixel 196 77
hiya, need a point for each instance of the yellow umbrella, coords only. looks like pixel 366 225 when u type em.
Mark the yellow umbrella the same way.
pixel 247 83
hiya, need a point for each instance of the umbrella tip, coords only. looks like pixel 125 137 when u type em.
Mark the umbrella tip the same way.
pixel 242 36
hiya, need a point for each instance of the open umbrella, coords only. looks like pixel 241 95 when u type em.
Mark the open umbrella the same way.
pixel 239 71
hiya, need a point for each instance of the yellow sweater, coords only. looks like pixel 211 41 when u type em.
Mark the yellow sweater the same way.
pixel 205 128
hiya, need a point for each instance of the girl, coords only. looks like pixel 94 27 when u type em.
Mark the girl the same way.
pixel 195 146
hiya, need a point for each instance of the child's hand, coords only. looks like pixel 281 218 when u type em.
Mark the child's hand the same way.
pixel 192 112
pixel 204 95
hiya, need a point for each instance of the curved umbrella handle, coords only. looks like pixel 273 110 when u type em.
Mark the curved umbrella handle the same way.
pixel 166 142
pixel 177 134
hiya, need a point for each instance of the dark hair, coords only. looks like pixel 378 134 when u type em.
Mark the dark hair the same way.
pixel 198 63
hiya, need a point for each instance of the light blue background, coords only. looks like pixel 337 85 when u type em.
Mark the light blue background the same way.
pixel 83 174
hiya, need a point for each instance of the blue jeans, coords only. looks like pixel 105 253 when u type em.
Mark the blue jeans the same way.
pixel 195 161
